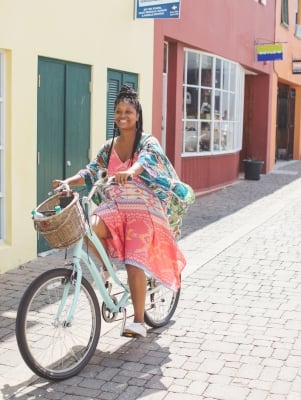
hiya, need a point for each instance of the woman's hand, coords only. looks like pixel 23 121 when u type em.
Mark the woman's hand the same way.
pixel 75 180
pixel 122 177
pixel 56 183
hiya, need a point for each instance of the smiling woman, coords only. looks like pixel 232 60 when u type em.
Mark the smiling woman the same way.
pixel 126 119
pixel 139 221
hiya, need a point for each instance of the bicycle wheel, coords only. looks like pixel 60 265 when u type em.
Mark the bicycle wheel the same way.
pixel 51 348
pixel 160 305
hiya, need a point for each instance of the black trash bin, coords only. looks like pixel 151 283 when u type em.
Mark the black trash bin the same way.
pixel 252 169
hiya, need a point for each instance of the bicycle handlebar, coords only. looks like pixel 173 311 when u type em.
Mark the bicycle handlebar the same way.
pixel 62 187
pixel 103 180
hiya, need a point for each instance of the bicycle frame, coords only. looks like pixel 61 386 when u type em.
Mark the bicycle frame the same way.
pixel 58 321
pixel 78 255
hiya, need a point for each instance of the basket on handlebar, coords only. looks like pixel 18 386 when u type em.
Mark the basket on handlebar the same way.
pixel 65 228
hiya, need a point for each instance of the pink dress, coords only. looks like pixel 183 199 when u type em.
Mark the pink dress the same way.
pixel 140 230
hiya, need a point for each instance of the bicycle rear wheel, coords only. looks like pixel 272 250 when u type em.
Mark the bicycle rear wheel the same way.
pixel 160 305
pixel 51 348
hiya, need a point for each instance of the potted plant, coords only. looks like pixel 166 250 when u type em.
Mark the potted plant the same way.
pixel 252 168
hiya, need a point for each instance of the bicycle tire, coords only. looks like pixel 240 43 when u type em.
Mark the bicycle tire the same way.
pixel 51 349
pixel 161 305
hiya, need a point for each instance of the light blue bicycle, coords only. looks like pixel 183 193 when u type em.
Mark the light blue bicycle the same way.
pixel 59 316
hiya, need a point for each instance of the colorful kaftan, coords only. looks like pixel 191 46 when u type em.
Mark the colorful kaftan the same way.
pixel 138 214
pixel 158 174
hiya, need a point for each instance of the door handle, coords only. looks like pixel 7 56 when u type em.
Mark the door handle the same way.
pixel 68 163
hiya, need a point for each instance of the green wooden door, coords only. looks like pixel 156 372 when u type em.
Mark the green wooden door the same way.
pixel 63 124
pixel 77 118
pixel 115 79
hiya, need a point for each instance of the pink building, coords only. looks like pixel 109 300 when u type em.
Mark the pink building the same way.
pixel 215 97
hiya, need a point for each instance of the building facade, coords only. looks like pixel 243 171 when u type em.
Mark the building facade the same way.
pixel 219 102
pixel 205 95
pixel 61 64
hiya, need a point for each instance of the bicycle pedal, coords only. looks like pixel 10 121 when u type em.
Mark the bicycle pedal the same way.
pixel 133 330
pixel 108 286
pixel 128 334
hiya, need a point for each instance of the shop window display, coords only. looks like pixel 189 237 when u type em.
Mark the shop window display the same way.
pixel 212 104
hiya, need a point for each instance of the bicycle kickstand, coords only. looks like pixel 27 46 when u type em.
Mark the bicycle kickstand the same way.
pixel 122 333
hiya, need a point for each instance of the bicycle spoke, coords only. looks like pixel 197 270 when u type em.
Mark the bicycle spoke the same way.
pixel 51 347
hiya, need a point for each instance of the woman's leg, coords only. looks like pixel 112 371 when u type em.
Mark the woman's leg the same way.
pixel 137 284
pixel 102 232
pixel 136 276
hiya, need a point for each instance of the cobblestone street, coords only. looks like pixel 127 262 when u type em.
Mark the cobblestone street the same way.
pixel 236 332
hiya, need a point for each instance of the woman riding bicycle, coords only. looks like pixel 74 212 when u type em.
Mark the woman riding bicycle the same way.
pixel 139 221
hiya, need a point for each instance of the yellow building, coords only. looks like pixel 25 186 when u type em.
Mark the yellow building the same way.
pixel 61 64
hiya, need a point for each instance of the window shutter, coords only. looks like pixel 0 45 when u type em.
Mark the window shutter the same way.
pixel 115 80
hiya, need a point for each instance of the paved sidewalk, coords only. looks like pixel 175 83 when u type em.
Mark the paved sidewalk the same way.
pixel 236 333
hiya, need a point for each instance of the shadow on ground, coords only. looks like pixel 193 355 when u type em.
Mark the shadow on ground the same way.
pixel 214 206
pixel 119 372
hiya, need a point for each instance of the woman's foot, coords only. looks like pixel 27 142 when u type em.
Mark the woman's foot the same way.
pixel 133 329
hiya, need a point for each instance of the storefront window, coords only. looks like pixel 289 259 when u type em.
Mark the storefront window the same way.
pixel 212 104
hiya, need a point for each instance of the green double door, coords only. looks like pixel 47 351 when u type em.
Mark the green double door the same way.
pixel 63 124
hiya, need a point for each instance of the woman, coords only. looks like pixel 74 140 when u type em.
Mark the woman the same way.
pixel 139 222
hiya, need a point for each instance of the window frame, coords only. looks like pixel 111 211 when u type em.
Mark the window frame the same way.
pixel 284 13
pixel 212 132
pixel 297 19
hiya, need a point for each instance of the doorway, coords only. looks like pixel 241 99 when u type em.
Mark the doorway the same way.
pixel 285 122
pixel 63 124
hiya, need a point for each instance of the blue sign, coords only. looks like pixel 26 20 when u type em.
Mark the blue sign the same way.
pixel 158 8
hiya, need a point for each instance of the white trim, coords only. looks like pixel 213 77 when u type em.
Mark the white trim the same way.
pixel 2 146
pixel 164 96
pixel 164 110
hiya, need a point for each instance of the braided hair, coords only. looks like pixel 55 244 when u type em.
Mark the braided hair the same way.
pixel 128 94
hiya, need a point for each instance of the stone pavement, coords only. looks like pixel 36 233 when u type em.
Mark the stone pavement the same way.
pixel 236 332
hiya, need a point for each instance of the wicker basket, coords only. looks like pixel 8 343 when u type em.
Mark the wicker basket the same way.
pixel 65 228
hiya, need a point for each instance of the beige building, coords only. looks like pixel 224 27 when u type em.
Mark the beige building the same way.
pixel 61 64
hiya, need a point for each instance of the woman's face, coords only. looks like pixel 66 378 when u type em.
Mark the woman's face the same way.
pixel 125 115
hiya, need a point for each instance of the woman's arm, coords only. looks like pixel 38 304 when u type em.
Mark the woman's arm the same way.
pixel 75 180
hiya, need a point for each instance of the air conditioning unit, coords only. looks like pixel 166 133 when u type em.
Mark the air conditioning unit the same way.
pixel 298 31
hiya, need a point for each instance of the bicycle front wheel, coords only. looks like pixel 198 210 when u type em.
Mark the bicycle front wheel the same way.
pixel 161 303
pixel 52 348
